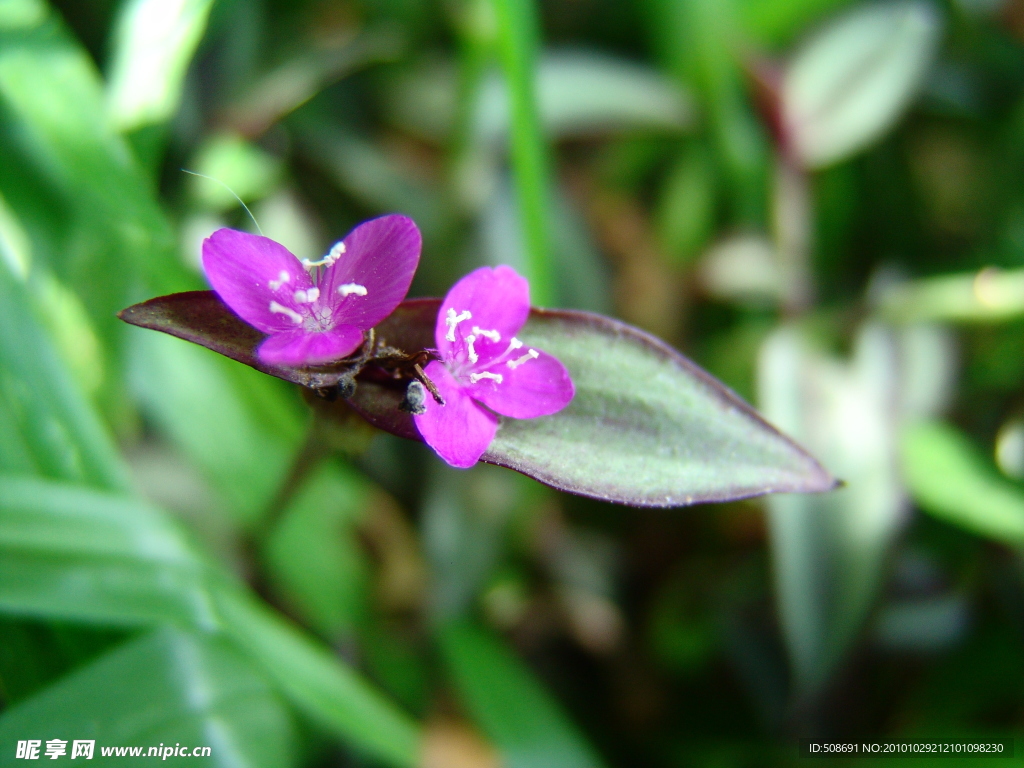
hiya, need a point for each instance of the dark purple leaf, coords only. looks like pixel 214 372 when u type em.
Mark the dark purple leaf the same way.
pixel 202 318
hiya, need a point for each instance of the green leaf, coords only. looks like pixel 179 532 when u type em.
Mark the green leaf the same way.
pixel 850 83
pixel 510 705
pixel 580 93
pixel 464 519
pixel 53 97
pixel 397 661
pixel 647 427
pixel 990 295
pixel 74 553
pixel 15 246
pixel 301 77
pixel 829 551
pixel 697 41
pixel 314 559
pixel 237 427
pixel 371 175
pixel 772 21
pixel 67 552
pixel 686 207
pixel 949 479
pixel 165 688
pixel 315 682
pixel 517 38
pixel 46 425
pixel 36 653
pixel 63 316
pixel 15 14
pixel 154 40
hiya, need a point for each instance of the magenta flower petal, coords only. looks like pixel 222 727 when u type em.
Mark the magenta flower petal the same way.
pixel 249 272
pixel 460 430
pixel 375 271
pixel 301 347
pixel 497 299
pixel 538 387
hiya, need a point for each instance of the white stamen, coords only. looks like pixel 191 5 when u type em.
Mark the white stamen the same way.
pixel 306 297
pixel 327 261
pixel 453 320
pixel 291 313
pixel 473 356
pixel 350 288
pixel 475 377
pixel 492 335
pixel 513 345
pixel 533 354
pixel 282 278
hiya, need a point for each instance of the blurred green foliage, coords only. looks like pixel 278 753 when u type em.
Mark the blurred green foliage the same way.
pixel 821 201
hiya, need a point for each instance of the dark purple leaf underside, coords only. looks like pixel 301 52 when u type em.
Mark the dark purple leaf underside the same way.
pixel 202 318
pixel 647 427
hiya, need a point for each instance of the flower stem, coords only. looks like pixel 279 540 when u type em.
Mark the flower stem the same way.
pixel 475 27
pixel 793 229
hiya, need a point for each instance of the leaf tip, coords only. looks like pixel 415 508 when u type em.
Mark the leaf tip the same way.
pixel 126 314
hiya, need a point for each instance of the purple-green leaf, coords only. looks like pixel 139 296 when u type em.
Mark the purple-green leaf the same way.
pixel 647 426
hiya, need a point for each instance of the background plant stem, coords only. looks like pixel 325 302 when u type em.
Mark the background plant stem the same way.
pixel 517 47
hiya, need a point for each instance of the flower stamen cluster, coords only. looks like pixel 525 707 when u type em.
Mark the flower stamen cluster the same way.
pixel 313 315
pixel 466 359
pixel 477 375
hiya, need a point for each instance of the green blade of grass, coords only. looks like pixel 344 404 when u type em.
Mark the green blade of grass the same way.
pixel 517 44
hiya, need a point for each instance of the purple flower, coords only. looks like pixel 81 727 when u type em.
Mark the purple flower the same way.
pixel 314 312
pixel 484 369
